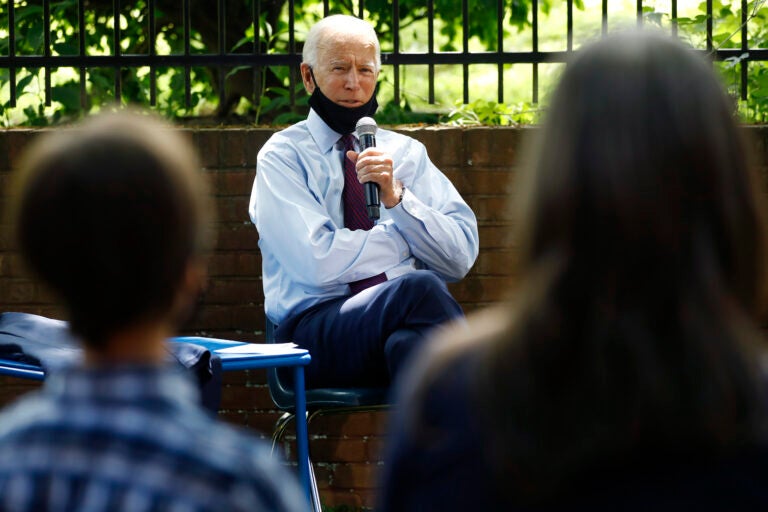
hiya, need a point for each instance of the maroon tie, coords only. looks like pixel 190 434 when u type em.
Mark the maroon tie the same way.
pixel 355 213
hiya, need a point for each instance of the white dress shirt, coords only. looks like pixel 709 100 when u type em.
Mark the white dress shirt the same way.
pixel 307 254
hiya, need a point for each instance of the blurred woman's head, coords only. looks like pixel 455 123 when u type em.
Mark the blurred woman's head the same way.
pixel 640 189
pixel 643 252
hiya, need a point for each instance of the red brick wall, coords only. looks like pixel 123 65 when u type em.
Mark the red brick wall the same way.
pixel 346 448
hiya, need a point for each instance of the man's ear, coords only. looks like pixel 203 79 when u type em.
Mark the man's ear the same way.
pixel 306 77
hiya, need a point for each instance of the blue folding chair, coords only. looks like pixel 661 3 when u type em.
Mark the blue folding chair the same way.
pixel 319 401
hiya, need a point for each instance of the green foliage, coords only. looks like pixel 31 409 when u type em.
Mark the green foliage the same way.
pixel 393 114
pixel 277 96
pixel 482 112
pixel 727 26
pixel 98 36
pixel 482 18
pixel 727 34
pixel 272 101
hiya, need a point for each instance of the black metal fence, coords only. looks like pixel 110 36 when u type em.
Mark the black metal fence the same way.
pixel 226 45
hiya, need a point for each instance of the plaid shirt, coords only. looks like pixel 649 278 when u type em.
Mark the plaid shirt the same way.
pixel 132 439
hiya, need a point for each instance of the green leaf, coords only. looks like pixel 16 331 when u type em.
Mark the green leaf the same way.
pixel 27 11
pixel 237 69
pixel 23 83
pixel 242 42
pixel 68 95
pixel 35 37
pixel 66 48
pixel 288 118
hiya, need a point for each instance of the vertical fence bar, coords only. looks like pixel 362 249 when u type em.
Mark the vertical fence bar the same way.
pixel 431 49
pixel 257 71
pixel 116 7
pixel 604 18
pixel 744 63
pixel 569 26
pixel 709 26
pixel 326 8
pixel 465 48
pixel 292 50
pixel 535 50
pixel 12 50
pixel 152 51
pixel 50 62
pixel 47 50
pixel 674 18
pixel 361 9
pixel 396 49
pixel 500 47
pixel 221 13
pixel 186 17
pixel 256 17
pixel 81 52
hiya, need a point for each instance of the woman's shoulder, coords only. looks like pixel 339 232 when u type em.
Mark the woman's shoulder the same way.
pixel 438 438
pixel 445 373
pixel 465 338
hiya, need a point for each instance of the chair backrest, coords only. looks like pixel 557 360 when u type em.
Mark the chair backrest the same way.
pixel 281 389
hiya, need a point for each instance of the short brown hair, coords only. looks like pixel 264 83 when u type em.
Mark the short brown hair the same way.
pixel 108 214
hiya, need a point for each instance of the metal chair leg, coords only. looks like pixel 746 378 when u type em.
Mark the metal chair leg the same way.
pixel 280 426
pixel 316 505
pixel 277 435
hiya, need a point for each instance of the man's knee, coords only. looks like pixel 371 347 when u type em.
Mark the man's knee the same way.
pixel 424 282
pixel 426 286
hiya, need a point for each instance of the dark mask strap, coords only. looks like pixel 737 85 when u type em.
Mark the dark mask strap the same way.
pixel 312 74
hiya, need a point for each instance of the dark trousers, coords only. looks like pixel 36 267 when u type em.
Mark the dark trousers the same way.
pixel 365 339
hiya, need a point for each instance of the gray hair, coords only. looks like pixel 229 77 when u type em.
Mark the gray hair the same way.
pixel 337 23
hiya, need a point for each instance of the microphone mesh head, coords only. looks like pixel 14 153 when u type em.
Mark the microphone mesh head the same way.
pixel 365 126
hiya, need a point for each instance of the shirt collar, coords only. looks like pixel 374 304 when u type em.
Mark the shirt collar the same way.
pixel 324 137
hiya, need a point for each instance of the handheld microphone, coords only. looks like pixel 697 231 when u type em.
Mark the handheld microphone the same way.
pixel 366 132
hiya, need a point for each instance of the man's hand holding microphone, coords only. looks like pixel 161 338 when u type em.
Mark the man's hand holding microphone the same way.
pixel 375 170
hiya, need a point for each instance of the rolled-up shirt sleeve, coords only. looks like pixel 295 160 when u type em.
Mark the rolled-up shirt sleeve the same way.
pixel 439 226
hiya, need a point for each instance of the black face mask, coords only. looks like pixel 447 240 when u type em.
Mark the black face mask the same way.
pixel 341 119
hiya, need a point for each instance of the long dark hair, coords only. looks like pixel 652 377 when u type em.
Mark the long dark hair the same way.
pixel 643 254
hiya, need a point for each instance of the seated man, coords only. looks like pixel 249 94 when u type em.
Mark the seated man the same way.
pixel 113 217
pixel 360 297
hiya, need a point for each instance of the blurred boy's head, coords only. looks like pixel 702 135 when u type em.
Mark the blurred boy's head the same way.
pixel 113 216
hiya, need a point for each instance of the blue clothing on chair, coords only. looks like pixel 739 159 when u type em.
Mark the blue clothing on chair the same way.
pixel 48 343
pixel 37 340
pixel 132 439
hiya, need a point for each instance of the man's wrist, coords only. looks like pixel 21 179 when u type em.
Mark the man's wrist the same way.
pixel 399 198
